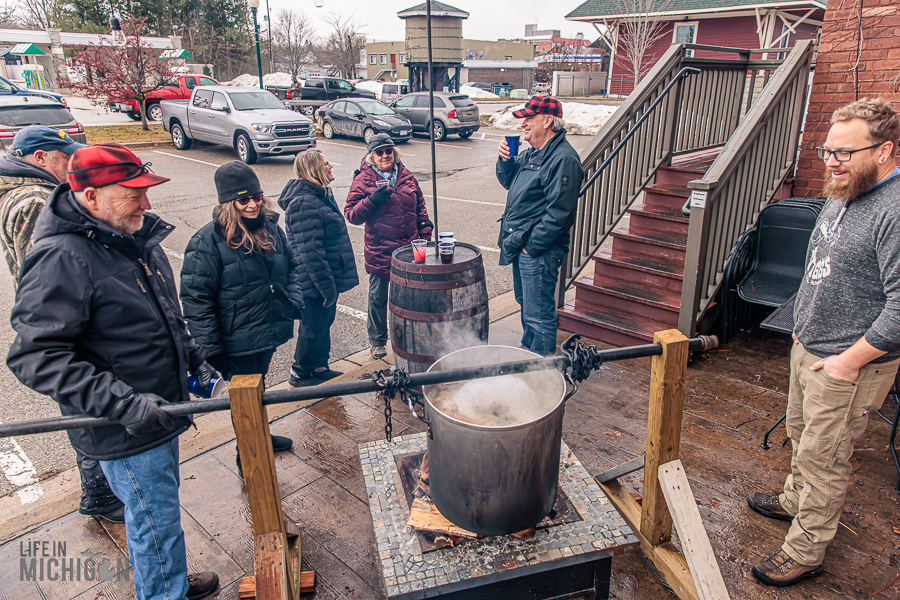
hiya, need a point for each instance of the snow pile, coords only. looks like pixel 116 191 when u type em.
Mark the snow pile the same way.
pixel 248 80
pixel 581 119
pixel 474 92
pixel 371 86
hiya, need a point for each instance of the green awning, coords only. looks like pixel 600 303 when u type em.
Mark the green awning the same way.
pixel 27 50
pixel 177 53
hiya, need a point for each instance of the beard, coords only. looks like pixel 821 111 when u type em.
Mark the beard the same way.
pixel 860 179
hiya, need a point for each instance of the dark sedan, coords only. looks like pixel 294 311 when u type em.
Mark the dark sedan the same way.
pixel 362 118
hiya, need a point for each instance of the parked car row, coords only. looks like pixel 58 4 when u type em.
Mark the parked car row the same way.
pixel 179 87
pixel 17 112
pixel 453 113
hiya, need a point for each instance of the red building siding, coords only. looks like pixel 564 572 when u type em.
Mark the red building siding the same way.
pixel 730 32
pixel 844 75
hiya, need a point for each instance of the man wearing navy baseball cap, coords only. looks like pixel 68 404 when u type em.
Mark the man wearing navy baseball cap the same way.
pixel 541 205
pixel 28 175
pixel 100 330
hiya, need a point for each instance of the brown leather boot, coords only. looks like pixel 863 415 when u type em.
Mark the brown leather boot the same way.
pixel 201 585
pixel 780 569
pixel 768 506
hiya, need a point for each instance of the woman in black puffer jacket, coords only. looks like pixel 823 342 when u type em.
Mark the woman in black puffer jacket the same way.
pixel 240 286
pixel 318 237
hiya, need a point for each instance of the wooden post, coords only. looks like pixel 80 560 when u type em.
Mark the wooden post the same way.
pixel 251 426
pixel 663 430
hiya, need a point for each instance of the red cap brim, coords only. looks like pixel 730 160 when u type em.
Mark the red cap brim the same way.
pixel 525 112
pixel 144 181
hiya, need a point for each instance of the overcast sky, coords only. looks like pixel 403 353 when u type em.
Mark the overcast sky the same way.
pixel 488 19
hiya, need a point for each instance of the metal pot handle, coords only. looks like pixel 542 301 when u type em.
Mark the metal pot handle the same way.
pixel 574 385
pixel 412 408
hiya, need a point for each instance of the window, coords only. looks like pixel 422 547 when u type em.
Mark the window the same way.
pixel 382 59
pixel 190 82
pixel 390 89
pixel 219 102
pixel 508 58
pixel 5 87
pixel 20 116
pixel 353 109
pixel 685 33
pixel 202 98
pixel 207 81
pixel 339 106
pixel 422 102
pixel 406 101
pixel 345 85
pixel 373 59
pixel 254 100
pixel 373 107
pixel 402 58
pixel 461 101
pixel 314 83
pixel 334 84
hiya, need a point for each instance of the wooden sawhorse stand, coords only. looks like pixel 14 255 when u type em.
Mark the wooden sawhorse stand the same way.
pixel 276 541
pixel 667 493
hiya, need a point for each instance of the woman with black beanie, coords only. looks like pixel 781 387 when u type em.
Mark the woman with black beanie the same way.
pixel 239 283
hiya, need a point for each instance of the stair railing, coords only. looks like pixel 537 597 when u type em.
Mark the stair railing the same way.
pixel 666 115
pixel 742 180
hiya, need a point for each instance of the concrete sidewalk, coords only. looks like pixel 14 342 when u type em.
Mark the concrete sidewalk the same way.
pixel 207 458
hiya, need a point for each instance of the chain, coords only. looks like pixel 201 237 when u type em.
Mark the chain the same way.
pixel 392 382
pixel 582 359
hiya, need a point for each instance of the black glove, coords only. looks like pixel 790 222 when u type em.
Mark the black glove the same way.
pixel 204 373
pixel 425 225
pixel 381 194
pixel 140 414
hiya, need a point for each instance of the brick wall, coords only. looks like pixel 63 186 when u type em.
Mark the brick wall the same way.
pixel 847 70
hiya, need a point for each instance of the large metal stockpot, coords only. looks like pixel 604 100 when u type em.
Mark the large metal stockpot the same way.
pixel 488 479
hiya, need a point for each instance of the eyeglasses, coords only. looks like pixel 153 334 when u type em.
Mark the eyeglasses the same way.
pixel 383 151
pixel 257 199
pixel 841 155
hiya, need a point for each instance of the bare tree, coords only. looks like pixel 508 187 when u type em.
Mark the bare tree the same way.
pixel 344 45
pixel 639 31
pixel 293 36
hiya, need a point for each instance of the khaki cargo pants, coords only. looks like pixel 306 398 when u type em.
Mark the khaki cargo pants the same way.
pixel 825 418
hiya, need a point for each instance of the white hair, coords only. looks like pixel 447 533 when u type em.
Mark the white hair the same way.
pixel 557 125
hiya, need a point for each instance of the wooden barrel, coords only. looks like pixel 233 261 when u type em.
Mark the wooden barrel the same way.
pixel 436 308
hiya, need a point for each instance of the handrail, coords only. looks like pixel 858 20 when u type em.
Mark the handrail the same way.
pixel 742 180
pixel 666 115
pixel 683 73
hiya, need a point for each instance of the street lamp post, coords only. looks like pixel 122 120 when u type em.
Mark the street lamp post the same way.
pixel 254 4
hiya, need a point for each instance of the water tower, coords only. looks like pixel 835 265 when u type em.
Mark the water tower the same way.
pixel 446 46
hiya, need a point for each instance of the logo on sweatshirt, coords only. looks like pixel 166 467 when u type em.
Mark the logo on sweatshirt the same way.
pixel 823 239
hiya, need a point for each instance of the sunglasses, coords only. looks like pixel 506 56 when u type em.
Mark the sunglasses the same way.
pixel 383 151
pixel 257 199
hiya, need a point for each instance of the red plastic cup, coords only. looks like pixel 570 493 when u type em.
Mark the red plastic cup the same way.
pixel 420 248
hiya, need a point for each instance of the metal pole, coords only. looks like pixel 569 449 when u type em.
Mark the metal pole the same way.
pixel 349 388
pixel 434 211
pixel 258 57
pixel 271 55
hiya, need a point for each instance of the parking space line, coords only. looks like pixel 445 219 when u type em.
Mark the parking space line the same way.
pixel 438 144
pixel 349 146
pixel 202 162
pixel 352 312
pixel 172 253
pixel 487 249
pixel 19 471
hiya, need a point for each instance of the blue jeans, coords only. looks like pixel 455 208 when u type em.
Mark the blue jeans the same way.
pixel 534 285
pixel 148 485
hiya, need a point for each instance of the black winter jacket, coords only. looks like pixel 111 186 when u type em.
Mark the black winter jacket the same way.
pixel 233 304
pixel 542 200
pixel 97 316
pixel 317 233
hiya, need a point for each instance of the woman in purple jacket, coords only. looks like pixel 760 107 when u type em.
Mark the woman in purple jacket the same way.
pixel 387 199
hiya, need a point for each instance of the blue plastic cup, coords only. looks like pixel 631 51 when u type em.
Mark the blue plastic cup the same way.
pixel 215 388
pixel 513 142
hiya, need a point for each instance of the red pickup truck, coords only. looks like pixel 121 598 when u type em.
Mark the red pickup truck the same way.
pixel 178 88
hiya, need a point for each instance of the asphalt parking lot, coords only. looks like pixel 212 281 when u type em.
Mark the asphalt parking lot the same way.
pixel 470 201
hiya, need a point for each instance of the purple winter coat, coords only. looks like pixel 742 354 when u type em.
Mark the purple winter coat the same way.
pixel 393 223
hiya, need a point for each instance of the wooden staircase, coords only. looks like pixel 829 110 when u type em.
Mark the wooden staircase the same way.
pixel 635 288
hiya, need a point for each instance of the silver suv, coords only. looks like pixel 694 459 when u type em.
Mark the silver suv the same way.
pixel 453 113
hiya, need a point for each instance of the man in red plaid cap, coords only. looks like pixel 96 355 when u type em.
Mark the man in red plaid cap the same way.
pixel 100 331
pixel 543 184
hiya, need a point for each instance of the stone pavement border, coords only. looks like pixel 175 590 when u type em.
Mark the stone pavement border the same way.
pixel 62 491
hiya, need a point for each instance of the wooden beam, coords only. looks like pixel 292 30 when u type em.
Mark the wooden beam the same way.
pixel 667 375
pixel 635 464
pixel 257 459
pixel 694 541
pixel 668 561
pixel 270 566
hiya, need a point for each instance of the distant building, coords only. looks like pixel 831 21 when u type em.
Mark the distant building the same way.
pixel 387 60
pixel 755 24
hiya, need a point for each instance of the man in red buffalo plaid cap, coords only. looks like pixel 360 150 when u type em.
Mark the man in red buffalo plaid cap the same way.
pixel 543 183
pixel 100 331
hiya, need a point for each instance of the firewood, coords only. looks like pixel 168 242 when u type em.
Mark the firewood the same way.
pixel 425 516
pixel 247 587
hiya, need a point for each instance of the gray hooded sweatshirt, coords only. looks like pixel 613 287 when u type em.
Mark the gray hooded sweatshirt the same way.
pixel 851 287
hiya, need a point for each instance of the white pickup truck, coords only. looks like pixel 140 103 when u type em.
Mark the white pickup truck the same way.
pixel 252 121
